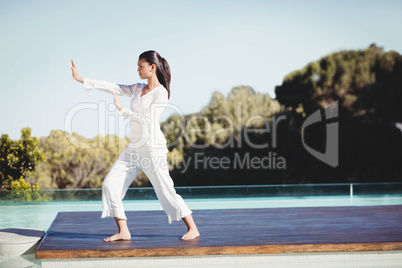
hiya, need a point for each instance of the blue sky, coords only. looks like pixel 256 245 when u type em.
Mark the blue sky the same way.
pixel 210 46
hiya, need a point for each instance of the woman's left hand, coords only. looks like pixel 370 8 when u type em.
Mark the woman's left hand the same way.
pixel 117 102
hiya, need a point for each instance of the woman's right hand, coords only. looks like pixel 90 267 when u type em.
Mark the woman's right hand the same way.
pixel 75 73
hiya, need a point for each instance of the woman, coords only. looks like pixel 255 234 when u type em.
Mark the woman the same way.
pixel 147 148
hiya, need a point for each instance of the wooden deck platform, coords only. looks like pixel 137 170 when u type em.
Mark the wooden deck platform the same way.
pixel 228 231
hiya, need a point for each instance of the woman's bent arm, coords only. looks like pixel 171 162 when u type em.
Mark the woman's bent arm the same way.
pixel 128 114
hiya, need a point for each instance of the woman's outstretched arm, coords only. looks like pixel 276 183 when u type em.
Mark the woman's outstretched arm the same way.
pixel 75 73
pixel 89 84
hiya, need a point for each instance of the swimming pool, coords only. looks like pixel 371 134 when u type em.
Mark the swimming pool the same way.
pixel 40 215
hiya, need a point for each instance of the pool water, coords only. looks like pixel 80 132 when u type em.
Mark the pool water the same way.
pixel 41 215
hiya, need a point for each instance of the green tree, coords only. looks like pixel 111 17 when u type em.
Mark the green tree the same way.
pixel 72 167
pixel 368 87
pixel 23 191
pixel 366 83
pixel 18 158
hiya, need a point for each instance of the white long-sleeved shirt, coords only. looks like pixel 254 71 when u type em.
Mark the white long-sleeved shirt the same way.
pixel 145 131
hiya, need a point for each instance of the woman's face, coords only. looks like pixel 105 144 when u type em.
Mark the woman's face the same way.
pixel 145 70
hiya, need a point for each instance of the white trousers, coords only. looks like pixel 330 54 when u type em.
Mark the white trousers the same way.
pixel 125 170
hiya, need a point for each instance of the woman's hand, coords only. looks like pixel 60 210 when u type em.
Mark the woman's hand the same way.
pixel 75 73
pixel 117 102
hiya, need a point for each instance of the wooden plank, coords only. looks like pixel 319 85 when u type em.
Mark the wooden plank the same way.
pixel 228 231
pixel 230 250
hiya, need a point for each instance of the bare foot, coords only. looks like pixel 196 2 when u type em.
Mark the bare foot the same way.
pixel 191 234
pixel 118 236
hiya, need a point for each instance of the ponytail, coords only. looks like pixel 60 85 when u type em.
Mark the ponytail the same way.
pixel 162 67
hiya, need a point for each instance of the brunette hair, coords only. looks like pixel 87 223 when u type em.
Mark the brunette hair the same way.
pixel 162 67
